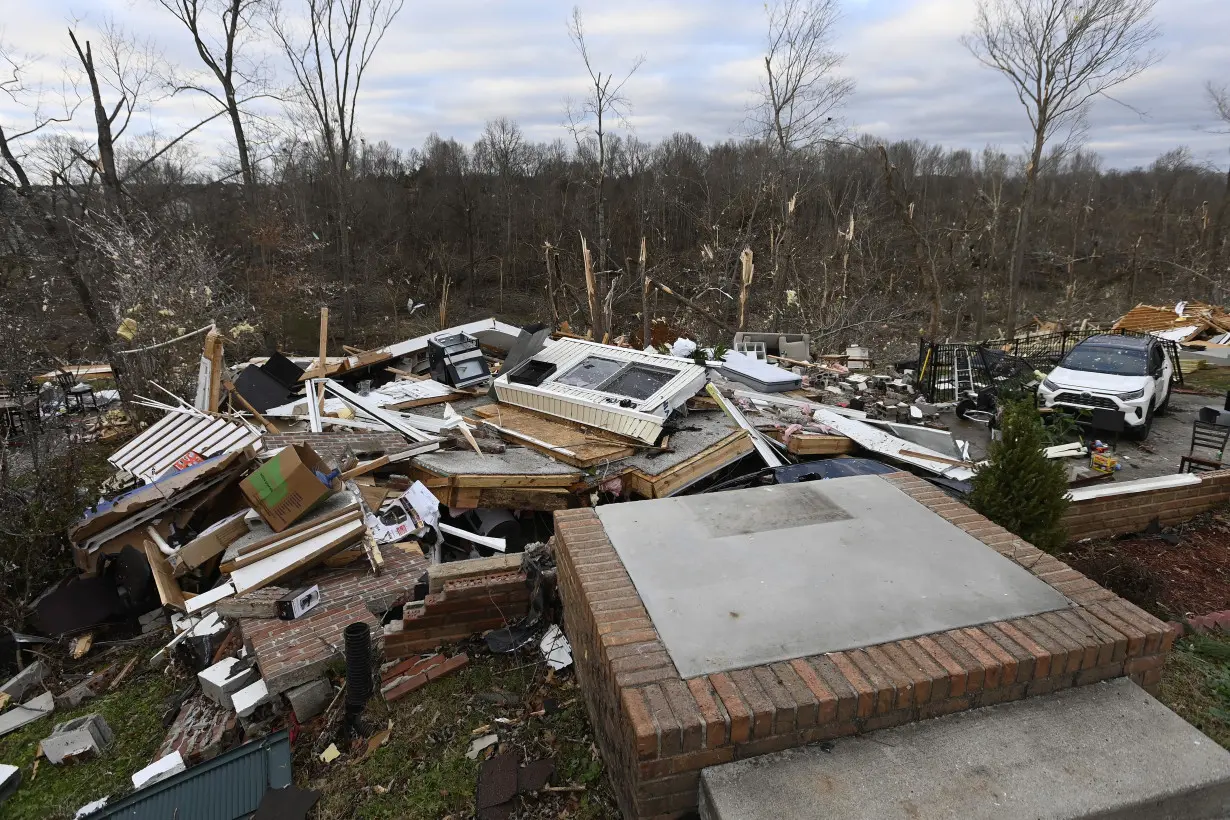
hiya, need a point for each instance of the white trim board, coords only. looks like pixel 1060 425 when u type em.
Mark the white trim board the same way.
pixel 1142 485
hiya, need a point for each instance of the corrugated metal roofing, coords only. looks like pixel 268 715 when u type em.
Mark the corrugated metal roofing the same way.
pixel 152 453
pixel 226 788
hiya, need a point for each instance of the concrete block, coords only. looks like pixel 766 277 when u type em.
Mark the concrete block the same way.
pixel 17 716
pixel 24 681
pixel 248 698
pixel 226 677
pixel 160 769
pixel 310 699
pixel 87 735
pixel 1103 750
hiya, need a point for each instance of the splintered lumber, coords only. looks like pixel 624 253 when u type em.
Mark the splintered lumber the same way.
pixel 569 443
pixel 168 590
pixel 300 556
pixel 311 523
pixel 237 396
pixel 252 556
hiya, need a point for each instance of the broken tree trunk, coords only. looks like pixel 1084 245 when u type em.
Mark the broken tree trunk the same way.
pixel 702 311
pixel 552 299
pixel 591 290
pixel 644 295
pixel 746 283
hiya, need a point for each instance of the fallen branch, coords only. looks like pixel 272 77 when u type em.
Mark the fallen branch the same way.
pixel 704 312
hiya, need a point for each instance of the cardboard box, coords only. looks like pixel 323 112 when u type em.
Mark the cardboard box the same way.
pixel 213 541
pixel 294 604
pixel 285 487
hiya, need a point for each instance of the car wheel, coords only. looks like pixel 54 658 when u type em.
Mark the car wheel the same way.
pixel 1142 432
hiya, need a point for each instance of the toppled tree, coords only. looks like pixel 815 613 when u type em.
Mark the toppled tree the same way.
pixel 1020 488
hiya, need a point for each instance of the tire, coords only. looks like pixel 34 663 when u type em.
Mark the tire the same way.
pixel 1142 432
pixel 1164 407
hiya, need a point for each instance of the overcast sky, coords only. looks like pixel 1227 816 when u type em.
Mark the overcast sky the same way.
pixel 449 65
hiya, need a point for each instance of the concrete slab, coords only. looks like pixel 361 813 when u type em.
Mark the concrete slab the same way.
pixel 1108 751
pixel 692 435
pixel 24 681
pixel 750 577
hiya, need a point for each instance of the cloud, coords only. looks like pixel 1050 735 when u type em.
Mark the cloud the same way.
pixel 447 66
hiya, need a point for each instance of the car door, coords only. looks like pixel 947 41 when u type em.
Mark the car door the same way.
pixel 1159 372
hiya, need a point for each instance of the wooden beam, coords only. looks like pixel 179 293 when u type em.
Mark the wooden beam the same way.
pixel 264 422
pixel 213 353
pixel 320 363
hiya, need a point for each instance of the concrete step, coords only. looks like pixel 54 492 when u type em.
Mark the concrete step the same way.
pixel 1108 750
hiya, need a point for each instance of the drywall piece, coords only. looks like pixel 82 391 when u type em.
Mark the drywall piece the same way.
pixel 1144 485
pixel 226 677
pixel 24 681
pixel 160 769
pixel 28 712
pixel 251 696
pixel 890 446
pixel 86 735
pixel 496 544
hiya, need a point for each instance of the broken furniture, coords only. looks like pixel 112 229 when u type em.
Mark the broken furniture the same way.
pixel 456 359
pixel 1209 437
pixel 623 391
pixel 794 346
pixel 875 601
pixel 75 392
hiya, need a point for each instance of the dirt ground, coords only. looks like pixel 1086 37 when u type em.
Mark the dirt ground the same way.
pixel 1169 440
pixel 1181 572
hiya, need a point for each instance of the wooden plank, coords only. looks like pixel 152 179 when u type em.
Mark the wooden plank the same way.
pixel 298 557
pixel 818 444
pixel 305 525
pixel 569 443
pixel 732 447
pixel 168 591
pixel 249 557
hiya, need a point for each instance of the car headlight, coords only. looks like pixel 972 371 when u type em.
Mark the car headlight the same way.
pixel 1049 386
pixel 1135 394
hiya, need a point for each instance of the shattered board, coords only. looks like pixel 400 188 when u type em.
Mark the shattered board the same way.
pixel 756 576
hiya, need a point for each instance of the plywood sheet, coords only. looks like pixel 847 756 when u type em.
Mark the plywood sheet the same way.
pixel 569 443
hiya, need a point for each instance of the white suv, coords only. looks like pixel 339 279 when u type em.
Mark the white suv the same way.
pixel 1130 374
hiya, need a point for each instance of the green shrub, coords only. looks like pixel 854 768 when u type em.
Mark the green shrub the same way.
pixel 1020 488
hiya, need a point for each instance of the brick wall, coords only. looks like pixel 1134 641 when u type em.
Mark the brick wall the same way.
pixel 1130 512
pixel 330 446
pixel 465 607
pixel 657 731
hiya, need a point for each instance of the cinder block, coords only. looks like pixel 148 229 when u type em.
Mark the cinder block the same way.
pixel 160 769
pixel 81 736
pixel 248 698
pixel 226 677
pixel 310 699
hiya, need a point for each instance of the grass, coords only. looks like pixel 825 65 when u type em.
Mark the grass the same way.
pixel 134 713
pixel 1212 379
pixel 1196 684
pixel 422 773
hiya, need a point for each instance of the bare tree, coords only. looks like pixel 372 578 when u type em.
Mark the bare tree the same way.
pixel 800 91
pixel 1216 239
pixel 240 80
pixel 604 101
pixel 1058 55
pixel 328 61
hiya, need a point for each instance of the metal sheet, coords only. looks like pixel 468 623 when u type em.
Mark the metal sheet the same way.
pixel 152 453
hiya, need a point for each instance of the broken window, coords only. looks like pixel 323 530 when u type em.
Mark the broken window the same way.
pixel 631 379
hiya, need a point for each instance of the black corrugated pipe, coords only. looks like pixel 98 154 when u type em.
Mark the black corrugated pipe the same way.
pixel 358 645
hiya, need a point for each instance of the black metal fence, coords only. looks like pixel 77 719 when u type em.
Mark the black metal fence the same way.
pixel 952 371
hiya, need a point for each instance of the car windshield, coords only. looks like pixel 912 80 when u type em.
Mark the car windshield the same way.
pixel 1116 361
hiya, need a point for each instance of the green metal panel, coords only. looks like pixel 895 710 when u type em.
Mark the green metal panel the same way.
pixel 228 787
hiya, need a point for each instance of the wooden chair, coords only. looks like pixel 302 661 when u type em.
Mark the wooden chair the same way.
pixel 74 392
pixel 1209 437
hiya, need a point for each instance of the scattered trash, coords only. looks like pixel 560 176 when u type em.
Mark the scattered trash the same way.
pixel 330 754
pixel 478 744
pixel 556 648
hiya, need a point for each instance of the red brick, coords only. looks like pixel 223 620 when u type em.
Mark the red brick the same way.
pixel 805 704
pixel 1001 656
pixel 644 733
pixel 901 680
pixel 847 697
pixel 1024 659
pixel 826 701
pixel 412 666
pixel 975 671
pixel 450 666
pixel 850 673
pixel 405 688
pixel 937 677
pixel 1066 654
pixel 784 706
pixel 740 715
pixel 717 724
pixel 670 735
pixel 759 702
pixel 687 714
pixel 1077 633
pixel 958 678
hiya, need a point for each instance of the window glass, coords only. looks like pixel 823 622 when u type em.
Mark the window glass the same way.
pixel 1118 361
pixel 638 381
pixel 590 372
